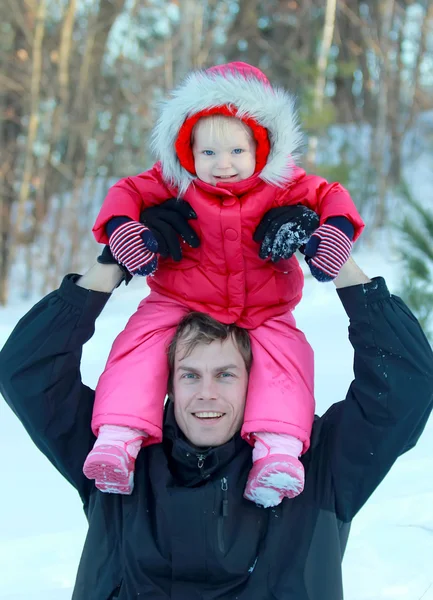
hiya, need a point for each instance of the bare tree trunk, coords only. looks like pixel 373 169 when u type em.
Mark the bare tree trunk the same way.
pixel 34 116
pixel 75 208
pixel 369 45
pixel 49 178
pixel 245 27
pixel 18 13
pixel 197 33
pixel 381 135
pixel 5 218
pixel 426 29
pixel 65 52
pixel 27 290
pixel 81 123
pixel 11 128
pixel 187 17
pixel 168 63
pixel 396 108
pixel 10 242
pixel 322 65
pixel 213 16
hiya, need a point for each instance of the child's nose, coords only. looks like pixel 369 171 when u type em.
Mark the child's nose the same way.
pixel 223 160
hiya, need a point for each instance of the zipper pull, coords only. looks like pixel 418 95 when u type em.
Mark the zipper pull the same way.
pixel 225 487
pixel 200 463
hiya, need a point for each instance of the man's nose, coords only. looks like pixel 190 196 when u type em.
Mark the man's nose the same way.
pixel 208 390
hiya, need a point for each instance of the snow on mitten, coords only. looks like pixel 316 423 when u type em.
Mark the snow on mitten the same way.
pixel 329 248
pixel 132 245
pixel 283 230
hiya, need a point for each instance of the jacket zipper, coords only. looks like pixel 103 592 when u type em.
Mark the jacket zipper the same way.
pixel 223 515
pixel 200 463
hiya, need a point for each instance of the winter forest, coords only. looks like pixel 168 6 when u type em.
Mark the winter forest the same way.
pixel 81 81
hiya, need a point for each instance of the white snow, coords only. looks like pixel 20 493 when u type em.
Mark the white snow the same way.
pixel 42 527
pixel 290 236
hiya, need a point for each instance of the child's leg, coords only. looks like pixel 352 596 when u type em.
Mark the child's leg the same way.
pixel 112 460
pixel 133 386
pixel 279 411
pixel 129 399
pixel 277 473
pixel 281 384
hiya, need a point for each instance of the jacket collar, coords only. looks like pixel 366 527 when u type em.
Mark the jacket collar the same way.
pixel 230 189
pixel 191 466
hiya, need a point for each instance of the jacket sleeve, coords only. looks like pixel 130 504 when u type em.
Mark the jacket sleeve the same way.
pixel 129 196
pixel 326 199
pixel 389 400
pixel 40 377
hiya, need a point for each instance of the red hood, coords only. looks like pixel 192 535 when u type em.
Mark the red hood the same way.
pixel 240 68
pixel 248 90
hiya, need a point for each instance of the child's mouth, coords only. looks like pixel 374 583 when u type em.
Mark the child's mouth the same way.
pixel 225 178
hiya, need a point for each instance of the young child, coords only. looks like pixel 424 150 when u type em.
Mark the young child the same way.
pixel 225 141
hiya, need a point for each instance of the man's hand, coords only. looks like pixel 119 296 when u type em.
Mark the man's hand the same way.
pixel 168 222
pixel 283 230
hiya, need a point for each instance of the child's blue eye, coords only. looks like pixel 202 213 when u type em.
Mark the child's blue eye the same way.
pixel 208 152
pixel 237 151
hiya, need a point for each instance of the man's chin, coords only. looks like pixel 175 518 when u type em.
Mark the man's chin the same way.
pixel 205 436
pixel 208 441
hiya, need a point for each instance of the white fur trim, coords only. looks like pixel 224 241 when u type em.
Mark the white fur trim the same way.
pixel 271 107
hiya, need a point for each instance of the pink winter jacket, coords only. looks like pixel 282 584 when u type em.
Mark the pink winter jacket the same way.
pixel 225 276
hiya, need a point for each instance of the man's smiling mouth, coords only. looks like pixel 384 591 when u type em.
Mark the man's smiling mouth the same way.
pixel 208 415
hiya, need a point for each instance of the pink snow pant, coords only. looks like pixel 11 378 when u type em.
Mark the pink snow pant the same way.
pixel 132 389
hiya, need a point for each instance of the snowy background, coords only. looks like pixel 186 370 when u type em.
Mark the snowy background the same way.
pixel 42 527
pixel 379 82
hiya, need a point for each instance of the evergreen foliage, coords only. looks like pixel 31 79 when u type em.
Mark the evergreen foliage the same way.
pixel 417 253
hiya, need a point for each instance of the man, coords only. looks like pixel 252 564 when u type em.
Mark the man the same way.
pixel 186 532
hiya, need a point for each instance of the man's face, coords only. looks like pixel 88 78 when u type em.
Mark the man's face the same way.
pixel 209 389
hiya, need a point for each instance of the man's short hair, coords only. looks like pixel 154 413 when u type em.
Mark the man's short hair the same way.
pixel 199 328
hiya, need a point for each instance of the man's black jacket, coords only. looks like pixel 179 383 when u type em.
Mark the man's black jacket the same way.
pixel 186 533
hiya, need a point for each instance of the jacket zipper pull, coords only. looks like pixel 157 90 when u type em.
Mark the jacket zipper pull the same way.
pixel 200 463
pixel 225 487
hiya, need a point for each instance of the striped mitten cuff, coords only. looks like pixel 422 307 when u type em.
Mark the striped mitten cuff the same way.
pixel 329 248
pixel 134 246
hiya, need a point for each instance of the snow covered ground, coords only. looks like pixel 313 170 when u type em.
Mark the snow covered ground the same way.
pixel 42 528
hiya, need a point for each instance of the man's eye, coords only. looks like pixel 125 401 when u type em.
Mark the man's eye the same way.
pixel 225 375
pixel 208 152
pixel 237 151
pixel 189 376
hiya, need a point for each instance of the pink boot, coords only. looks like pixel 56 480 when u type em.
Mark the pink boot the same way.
pixel 112 460
pixel 276 473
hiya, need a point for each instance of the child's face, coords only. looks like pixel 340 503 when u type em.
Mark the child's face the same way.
pixel 223 158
